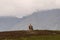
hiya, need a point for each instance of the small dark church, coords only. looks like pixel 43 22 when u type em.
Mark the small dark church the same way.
pixel 30 27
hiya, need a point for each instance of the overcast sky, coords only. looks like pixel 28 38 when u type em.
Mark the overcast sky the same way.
pixel 21 8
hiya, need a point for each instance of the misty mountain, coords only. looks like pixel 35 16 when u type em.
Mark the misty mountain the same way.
pixel 6 22
pixel 42 20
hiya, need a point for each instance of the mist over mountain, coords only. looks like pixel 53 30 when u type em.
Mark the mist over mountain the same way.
pixel 41 20
pixel 6 22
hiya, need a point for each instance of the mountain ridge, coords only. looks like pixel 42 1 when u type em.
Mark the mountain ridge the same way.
pixel 41 20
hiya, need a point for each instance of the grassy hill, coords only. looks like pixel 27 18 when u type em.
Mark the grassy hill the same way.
pixel 30 35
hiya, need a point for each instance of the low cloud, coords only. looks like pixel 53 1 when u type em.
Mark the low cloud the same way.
pixel 21 8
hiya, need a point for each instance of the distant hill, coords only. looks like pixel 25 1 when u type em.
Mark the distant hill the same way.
pixel 41 20
pixel 6 22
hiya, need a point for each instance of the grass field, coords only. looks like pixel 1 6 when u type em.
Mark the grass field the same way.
pixel 42 37
pixel 33 35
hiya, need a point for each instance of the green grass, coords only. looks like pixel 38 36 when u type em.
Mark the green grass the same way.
pixel 42 37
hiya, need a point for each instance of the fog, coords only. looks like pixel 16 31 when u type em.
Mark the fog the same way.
pixel 20 8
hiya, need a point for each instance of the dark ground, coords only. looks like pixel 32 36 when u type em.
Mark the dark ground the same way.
pixel 16 34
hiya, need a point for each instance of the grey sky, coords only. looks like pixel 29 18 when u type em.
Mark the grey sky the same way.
pixel 21 8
